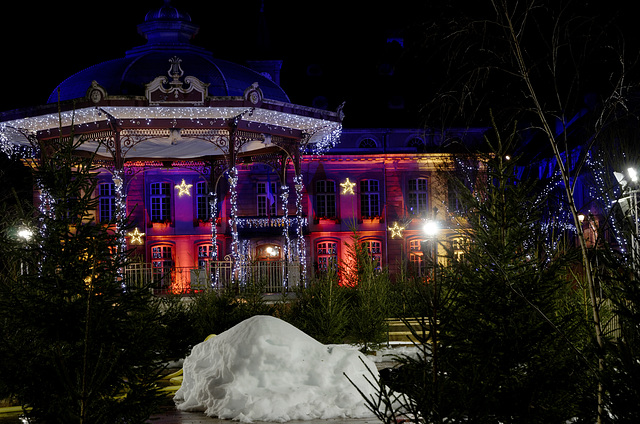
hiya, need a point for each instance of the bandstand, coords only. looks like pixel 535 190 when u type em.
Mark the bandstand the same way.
pixel 200 155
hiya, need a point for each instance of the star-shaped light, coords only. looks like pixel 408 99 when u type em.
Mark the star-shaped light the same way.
pixel 136 236
pixel 184 188
pixel 396 230
pixel 347 187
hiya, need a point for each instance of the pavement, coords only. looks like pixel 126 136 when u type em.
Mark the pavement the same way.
pixel 178 417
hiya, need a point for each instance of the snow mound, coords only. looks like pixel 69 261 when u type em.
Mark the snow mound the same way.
pixel 265 369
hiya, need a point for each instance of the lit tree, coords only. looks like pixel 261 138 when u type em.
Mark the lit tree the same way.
pixel 77 348
pixel 561 69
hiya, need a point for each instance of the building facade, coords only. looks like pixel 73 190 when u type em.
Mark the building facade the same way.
pixel 211 175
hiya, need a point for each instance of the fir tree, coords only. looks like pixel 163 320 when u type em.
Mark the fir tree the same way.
pixel 512 337
pixel 322 310
pixel 79 346
pixel 370 294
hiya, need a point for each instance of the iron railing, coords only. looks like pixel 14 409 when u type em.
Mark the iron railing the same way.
pixel 270 276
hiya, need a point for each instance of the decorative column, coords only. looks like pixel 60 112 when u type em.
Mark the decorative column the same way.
pixel 213 212
pixel 232 176
pixel 302 257
pixel 284 197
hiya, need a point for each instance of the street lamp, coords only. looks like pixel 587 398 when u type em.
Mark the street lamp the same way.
pixel 431 229
pixel 24 235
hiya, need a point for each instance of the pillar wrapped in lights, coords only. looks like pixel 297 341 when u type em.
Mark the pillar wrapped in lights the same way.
pixel 297 180
pixel 120 216
pixel 213 212
pixel 233 221
pixel 284 197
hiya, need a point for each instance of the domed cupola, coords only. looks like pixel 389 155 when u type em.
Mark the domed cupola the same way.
pixel 167 26
pixel 168 32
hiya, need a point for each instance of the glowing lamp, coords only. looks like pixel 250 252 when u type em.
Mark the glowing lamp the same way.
pixel 25 233
pixel 431 228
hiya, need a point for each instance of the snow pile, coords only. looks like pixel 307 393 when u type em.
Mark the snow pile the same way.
pixel 264 369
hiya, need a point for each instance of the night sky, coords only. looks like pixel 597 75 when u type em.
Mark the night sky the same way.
pixel 44 44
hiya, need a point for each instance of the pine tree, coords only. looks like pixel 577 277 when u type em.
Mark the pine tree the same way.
pixel 80 347
pixel 371 294
pixel 511 345
pixel 322 309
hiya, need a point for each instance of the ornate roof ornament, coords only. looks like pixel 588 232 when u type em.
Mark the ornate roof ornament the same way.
pixel 162 91
pixel 253 94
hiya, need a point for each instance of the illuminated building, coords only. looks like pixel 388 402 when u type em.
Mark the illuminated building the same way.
pixel 212 164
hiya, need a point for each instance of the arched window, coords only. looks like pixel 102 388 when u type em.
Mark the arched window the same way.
pixel 415 256
pixel 204 250
pixel 162 265
pixel 326 255
pixel 374 248
pixel 367 143
pixel 416 142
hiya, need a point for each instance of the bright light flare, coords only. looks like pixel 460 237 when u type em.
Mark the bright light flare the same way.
pixel 431 228
pixel 25 233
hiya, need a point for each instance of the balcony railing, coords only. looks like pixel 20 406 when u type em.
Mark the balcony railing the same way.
pixel 271 276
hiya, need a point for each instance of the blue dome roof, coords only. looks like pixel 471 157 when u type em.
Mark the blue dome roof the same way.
pixel 168 33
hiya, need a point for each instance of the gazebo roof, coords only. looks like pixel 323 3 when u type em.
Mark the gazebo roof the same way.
pixel 165 85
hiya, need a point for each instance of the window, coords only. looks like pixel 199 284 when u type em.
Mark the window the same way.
pixel 160 202
pixel 453 200
pixel 266 199
pixel 367 143
pixel 202 201
pixel 417 196
pixel 369 198
pixel 374 248
pixel 458 248
pixel 161 265
pixel 417 143
pixel 327 254
pixel 107 205
pixel 204 255
pixel 326 199
pixel 415 256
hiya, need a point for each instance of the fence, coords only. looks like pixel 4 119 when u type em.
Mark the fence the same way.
pixel 272 276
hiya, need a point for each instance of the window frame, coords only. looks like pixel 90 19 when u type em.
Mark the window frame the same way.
pixel 202 196
pixel 414 195
pixel 109 199
pixel 262 199
pixel 368 198
pixel 329 200
pixel 327 255
pixel 162 265
pixel 376 256
pixel 160 192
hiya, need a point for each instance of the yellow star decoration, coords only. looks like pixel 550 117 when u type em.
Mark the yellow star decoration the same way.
pixel 347 187
pixel 136 236
pixel 184 188
pixel 396 230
